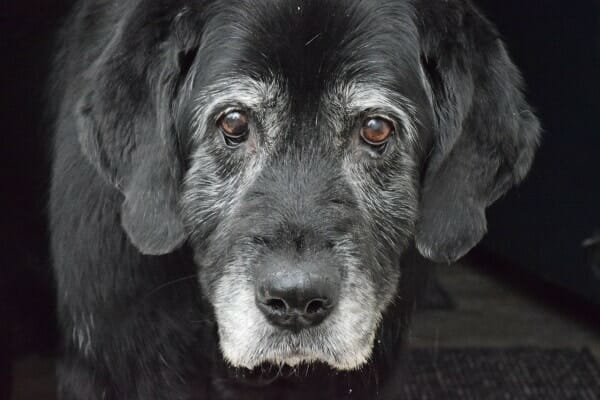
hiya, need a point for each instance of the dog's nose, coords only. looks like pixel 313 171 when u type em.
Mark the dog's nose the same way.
pixel 296 299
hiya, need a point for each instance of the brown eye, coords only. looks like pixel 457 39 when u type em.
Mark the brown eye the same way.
pixel 234 126
pixel 376 131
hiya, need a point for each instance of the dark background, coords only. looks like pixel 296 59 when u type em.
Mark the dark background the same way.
pixel 541 225
pixel 537 230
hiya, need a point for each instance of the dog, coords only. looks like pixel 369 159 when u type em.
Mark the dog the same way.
pixel 242 190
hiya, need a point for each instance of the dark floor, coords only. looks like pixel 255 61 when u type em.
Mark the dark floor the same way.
pixel 493 312
pixel 490 310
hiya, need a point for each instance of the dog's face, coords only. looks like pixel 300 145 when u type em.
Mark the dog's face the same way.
pixel 302 146
pixel 302 189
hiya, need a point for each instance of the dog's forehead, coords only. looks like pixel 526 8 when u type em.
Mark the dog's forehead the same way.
pixel 312 43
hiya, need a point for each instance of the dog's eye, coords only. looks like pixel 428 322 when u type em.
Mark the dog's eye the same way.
pixel 376 131
pixel 234 126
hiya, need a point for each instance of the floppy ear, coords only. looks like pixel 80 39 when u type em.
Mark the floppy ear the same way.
pixel 485 133
pixel 126 127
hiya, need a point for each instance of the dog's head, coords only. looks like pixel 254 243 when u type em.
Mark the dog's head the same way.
pixel 300 147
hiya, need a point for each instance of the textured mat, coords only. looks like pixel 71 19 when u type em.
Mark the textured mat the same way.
pixel 507 374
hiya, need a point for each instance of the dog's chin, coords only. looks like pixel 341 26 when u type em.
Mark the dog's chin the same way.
pixel 288 353
pixel 294 359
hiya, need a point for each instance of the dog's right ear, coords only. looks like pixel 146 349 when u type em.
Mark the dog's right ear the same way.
pixel 126 125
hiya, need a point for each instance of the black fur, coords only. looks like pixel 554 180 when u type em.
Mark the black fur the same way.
pixel 131 235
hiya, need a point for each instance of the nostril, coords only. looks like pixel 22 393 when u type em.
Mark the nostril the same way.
pixel 316 306
pixel 277 305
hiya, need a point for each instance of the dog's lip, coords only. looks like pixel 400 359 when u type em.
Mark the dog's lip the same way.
pixel 288 358
pixel 292 357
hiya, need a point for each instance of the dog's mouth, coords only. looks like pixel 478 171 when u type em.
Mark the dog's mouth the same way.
pixel 290 359
pixel 292 352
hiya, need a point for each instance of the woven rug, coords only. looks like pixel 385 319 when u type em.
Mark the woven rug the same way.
pixel 507 374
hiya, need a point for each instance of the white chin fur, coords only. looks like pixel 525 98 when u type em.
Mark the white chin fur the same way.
pixel 350 360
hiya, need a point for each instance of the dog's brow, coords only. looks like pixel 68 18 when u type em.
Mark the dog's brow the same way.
pixel 243 92
pixel 356 98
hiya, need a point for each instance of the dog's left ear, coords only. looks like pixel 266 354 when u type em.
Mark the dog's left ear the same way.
pixel 485 133
pixel 125 116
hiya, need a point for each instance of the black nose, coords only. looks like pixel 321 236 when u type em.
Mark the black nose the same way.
pixel 296 299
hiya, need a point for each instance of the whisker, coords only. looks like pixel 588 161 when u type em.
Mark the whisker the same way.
pixel 164 285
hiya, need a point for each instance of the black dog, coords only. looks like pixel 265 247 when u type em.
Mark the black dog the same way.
pixel 238 187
